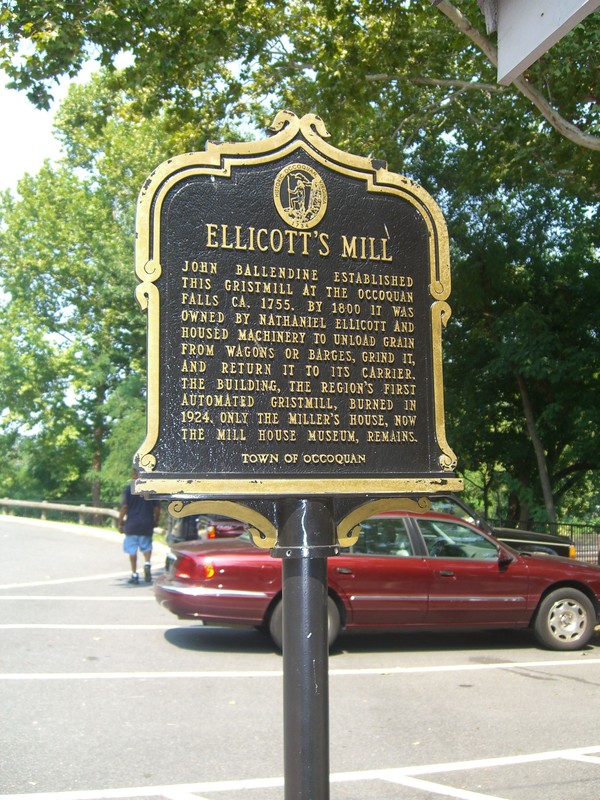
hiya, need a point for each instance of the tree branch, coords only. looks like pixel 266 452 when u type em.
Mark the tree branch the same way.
pixel 444 82
pixel 559 123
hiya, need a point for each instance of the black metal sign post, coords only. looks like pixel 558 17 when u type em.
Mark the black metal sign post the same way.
pixel 307 536
pixel 296 296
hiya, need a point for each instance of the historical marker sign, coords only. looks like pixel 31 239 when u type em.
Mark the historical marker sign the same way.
pixel 296 296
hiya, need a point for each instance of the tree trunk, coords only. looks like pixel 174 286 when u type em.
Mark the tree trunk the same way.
pixel 539 451
pixel 514 510
pixel 487 485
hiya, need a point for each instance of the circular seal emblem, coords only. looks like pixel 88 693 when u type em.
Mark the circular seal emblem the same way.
pixel 300 196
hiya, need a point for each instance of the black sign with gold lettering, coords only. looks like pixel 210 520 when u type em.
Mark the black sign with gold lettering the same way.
pixel 296 297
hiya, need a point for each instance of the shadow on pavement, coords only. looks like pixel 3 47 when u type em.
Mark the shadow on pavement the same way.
pixel 219 640
pixel 251 640
pixel 444 641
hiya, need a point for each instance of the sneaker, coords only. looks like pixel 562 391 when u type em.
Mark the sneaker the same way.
pixel 135 578
pixel 147 573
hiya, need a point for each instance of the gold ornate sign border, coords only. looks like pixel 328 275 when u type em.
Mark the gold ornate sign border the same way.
pixel 219 160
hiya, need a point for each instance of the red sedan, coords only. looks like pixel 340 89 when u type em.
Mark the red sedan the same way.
pixel 406 571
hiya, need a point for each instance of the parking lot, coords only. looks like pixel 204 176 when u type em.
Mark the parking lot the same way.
pixel 106 695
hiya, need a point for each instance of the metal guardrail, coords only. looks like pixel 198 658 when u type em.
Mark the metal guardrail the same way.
pixel 81 510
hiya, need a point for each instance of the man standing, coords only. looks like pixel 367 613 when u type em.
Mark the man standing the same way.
pixel 137 520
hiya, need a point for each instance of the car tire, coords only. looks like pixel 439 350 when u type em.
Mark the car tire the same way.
pixel 333 623
pixel 565 620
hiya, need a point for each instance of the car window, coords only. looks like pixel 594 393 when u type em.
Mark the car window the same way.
pixel 383 537
pixel 446 539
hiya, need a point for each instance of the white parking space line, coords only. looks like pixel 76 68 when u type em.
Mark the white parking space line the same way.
pixel 59 581
pixel 406 776
pixel 199 675
pixel 79 598
pixel 446 791
pixel 182 796
pixel 507 665
pixel 584 758
pixel 18 626
pixel 120 676
pixel 500 761
pixel 177 791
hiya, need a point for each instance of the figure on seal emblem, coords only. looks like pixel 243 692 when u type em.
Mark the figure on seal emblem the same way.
pixel 300 196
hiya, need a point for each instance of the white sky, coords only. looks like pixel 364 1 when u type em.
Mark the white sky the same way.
pixel 25 136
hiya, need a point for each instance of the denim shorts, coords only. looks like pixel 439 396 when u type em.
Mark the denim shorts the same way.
pixel 132 542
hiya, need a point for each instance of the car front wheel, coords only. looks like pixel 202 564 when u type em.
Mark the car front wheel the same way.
pixel 565 620
pixel 333 623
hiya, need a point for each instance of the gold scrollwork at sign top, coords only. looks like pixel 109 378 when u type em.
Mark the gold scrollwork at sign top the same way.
pixel 348 530
pixel 263 532
pixel 309 124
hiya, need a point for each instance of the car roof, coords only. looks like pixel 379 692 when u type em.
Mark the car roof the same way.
pixel 402 513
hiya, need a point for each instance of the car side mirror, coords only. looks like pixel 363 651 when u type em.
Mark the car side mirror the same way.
pixel 505 559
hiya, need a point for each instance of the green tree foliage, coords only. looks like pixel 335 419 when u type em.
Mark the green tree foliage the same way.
pixel 525 333
pixel 60 259
pixel 71 336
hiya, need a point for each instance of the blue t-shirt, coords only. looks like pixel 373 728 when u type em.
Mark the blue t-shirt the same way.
pixel 140 513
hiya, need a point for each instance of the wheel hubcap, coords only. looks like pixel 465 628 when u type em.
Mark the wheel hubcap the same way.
pixel 567 620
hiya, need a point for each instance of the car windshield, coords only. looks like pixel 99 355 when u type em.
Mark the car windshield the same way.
pixel 446 505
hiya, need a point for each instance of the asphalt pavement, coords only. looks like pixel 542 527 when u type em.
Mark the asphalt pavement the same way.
pixel 104 694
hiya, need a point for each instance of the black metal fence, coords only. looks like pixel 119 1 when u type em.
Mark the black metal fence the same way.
pixel 585 537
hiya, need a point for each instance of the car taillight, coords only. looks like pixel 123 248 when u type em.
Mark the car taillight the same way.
pixel 185 567
pixel 211 532
pixel 209 569
pixel 572 551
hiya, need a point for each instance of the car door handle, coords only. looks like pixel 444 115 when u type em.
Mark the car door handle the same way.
pixel 446 573
pixel 344 571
